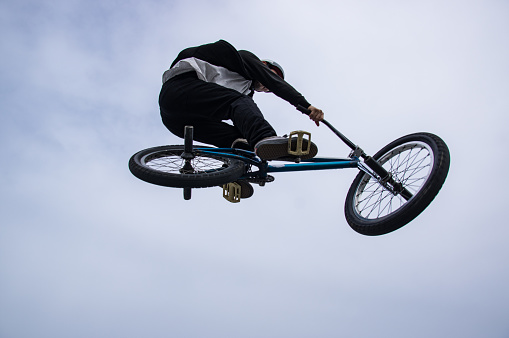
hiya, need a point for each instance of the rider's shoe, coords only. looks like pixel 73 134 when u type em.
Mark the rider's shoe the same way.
pixel 241 143
pixel 276 148
pixel 246 189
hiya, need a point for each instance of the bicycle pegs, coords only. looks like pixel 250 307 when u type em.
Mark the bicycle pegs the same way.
pixel 231 192
pixel 298 149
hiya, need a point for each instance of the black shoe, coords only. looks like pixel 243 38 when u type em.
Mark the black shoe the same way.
pixel 241 143
pixel 246 189
pixel 276 147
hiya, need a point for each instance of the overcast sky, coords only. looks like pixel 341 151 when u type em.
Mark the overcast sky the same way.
pixel 87 250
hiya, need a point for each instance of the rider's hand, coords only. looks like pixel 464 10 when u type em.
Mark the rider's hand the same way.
pixel 316 115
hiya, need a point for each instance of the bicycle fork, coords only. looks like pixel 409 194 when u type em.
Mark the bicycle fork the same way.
pixel 376 169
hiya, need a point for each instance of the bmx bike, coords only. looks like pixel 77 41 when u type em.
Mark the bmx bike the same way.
pixel 391 189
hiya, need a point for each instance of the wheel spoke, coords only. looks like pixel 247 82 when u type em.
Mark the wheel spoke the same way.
pixel 410 164
pixel 173 163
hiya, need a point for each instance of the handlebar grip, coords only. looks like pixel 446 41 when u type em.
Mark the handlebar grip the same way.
pixel 303 110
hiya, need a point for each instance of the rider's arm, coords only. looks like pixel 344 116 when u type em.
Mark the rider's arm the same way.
pixel 258 71
pixel 316 114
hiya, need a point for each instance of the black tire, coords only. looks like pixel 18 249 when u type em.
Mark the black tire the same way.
pixel 163 166
pixel 420 162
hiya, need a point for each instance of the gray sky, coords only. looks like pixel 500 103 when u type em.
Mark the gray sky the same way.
pixel 87 250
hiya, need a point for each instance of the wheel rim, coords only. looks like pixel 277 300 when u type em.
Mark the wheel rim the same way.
pixel 170 162
pixel 411 164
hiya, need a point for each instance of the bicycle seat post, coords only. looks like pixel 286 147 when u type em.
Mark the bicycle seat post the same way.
pixel 188 155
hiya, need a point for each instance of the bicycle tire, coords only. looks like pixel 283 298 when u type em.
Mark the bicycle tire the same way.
pixel 162 166
pixel 420 162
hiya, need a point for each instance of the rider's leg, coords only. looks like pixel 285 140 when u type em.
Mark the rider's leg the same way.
pixel 217 133
pixel 186 100
pixel 249 120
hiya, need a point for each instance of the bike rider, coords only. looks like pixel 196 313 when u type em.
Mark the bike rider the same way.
pixel 211 83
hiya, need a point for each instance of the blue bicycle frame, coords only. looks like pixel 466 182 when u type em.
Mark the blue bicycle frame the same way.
pixel 370 166
pixel 248 157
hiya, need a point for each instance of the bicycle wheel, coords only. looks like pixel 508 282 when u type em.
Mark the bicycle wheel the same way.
pixel 164 166
pixel 420 162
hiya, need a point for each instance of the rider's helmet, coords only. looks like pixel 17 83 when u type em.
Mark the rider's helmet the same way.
pixel 276 67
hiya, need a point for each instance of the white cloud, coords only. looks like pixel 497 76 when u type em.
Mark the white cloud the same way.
pixel 85 243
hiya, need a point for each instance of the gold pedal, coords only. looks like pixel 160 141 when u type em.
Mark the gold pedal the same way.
pixel 231 192
pixel 298 149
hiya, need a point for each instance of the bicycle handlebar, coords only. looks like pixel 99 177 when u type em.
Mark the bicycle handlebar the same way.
pixel 349 143
pixel 303 110
pixel 372 163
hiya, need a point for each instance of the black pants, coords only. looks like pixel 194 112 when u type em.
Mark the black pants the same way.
pixel 186 100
